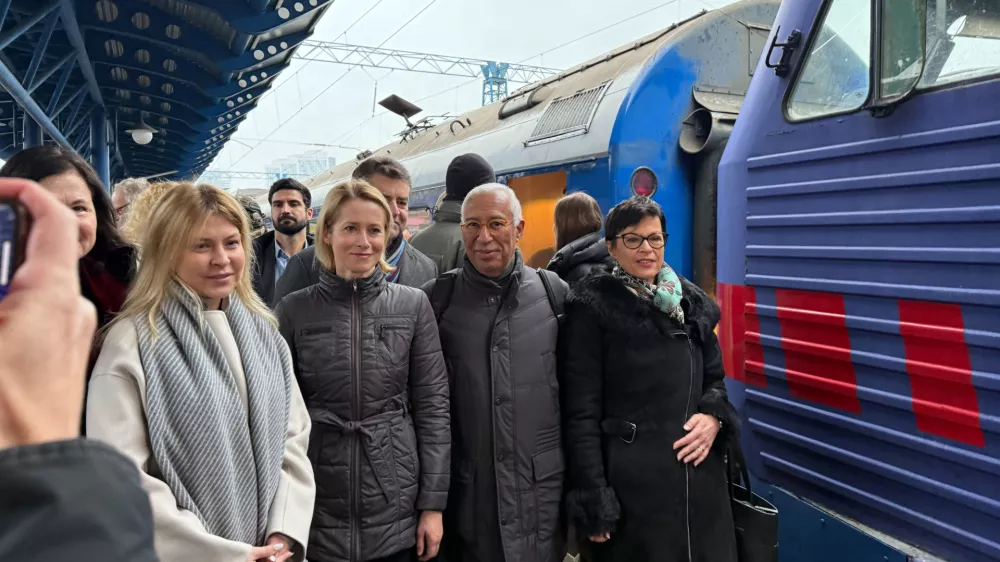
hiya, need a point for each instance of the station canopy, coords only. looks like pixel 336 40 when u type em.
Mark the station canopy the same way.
pixel 167 82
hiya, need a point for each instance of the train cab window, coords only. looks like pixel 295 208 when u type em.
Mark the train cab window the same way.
pixel 835 77
pixel 962 41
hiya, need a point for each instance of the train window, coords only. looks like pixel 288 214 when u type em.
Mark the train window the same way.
pixel 963 41
pixel 835 77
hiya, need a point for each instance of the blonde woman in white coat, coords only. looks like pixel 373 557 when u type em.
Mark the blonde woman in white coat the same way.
pixel 195 384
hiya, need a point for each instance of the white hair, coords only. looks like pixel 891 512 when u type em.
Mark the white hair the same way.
pixel 132 187
pixel 513 205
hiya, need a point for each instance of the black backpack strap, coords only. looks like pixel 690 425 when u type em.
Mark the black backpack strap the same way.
pixel 441 292
pixel 555 291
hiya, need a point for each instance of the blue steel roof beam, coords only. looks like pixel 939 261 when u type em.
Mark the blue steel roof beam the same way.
pixel 27 23
pixel 4 6
pixel 263 51
pixel 40 47
pixel 155 92
pixel 192 72
pixel 256 82
pixel 77 98
pixel 179 113
pixel 76 40
pixel 62 64
pixel 135 71
pixel 74 125
pixel 175 50
pixel 24 99
pixel 244 19
pixel 194 39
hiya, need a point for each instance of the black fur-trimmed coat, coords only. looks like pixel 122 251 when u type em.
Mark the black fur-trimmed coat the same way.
pixel 625 363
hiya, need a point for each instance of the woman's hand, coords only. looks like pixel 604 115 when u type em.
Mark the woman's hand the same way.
pixel 276 550
pixel 695 446
pixel 600 537
pixel 430 530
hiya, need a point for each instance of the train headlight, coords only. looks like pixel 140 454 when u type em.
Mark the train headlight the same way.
pixel 643 182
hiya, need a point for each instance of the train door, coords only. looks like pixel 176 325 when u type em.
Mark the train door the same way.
pixel 538 195
pixel 859 225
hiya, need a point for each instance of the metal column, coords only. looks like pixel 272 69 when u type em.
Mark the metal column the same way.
pixel 99 154
pixel 32 132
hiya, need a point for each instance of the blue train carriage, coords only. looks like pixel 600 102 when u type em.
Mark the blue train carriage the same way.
pixel 859 222
pixel 643 118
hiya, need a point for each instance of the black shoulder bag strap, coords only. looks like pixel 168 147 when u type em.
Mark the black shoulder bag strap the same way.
pixel 444 286
pixel 557 302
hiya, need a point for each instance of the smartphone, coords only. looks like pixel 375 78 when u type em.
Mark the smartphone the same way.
pixel 14 224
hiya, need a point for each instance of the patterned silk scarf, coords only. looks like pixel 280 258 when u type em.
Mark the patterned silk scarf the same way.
pixel 664 295
pixel 221 461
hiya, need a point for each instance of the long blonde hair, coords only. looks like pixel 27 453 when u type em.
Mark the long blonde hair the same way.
pixel 335 200
pixel 177 215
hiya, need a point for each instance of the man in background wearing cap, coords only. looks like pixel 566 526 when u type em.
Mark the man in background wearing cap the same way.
pixel 442 240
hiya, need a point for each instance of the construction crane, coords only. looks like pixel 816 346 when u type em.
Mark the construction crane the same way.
pixel 495 74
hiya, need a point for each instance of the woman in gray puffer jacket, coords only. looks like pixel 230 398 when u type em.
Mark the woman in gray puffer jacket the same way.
pixel 368 360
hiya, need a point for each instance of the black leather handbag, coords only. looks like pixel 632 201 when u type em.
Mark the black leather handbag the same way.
pixel 755 519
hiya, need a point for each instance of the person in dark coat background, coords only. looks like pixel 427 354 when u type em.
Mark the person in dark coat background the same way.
pixel 291 209
pixel 645 408
pixel 410 266
pixel 442 240
pixel 367 356
pixel 61 497
pixel 578 236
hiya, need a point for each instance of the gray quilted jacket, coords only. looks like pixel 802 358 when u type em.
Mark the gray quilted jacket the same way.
pixel 368 360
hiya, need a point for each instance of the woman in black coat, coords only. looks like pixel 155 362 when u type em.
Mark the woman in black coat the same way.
pixel 645 409
pixel 577 228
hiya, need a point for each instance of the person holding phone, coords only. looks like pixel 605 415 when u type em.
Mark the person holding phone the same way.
pixel 195 384
pixel 61 497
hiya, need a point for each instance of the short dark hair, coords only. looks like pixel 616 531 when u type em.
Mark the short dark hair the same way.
pixel 631 212
pixel 383 166
pixel 292 184
pixel 40 162
pixel 576 216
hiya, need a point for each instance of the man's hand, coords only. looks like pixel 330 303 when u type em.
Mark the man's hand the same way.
pixel 46 327
pixel 430 530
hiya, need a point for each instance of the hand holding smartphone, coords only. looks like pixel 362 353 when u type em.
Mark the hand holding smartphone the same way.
pixel 14 226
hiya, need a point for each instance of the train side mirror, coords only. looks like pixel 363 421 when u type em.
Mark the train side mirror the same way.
pixel 901 34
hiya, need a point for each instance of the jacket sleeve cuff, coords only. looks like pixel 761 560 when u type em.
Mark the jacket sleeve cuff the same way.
pixel 715 403
pixel 432 501
pixel 594 510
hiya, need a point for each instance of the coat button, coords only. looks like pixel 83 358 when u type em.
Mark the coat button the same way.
pixel 496 348
pixel 500 458
pixel 503 521
pixel 497 401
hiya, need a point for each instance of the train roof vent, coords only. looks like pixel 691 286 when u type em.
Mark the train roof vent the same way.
pixel 567 116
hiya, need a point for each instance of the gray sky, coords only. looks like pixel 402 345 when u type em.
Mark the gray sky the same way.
pixel 511 31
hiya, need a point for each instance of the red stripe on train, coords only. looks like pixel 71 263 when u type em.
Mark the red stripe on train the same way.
pixel 817 346
pixel 937 360
pixel 739 334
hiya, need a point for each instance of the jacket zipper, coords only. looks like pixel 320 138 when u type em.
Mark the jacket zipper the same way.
pixel 687 466
pixel 356 414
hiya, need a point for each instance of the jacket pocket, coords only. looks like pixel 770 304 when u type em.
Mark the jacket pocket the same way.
pixel 394 343
pixel 549 468
pixel 404 450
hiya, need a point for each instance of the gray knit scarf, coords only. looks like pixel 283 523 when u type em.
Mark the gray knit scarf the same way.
pixel 218 466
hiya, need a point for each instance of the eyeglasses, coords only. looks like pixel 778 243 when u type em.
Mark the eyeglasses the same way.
pixel 495 226
pixel 656 240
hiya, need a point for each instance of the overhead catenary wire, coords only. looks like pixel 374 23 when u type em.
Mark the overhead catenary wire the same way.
pixel 546 51
pixel 334 83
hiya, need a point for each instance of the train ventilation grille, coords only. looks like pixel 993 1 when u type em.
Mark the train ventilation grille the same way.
pixel 567 116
